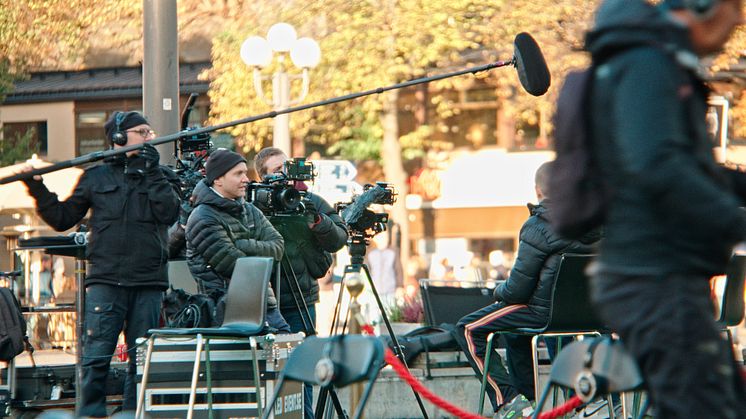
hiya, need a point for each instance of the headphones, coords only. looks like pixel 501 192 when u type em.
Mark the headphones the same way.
pixel 119 137
pixel 700 7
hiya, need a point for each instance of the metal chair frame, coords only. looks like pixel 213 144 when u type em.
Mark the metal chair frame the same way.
pixel 245 306
pixel 571 314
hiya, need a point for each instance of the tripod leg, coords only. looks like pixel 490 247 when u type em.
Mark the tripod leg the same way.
pixel 309 327
pixel 324 392
pixel 297 294
pixel 337 307
pixel 394 340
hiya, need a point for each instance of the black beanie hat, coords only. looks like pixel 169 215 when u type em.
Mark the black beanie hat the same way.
pixel 129 120
pixel 220 162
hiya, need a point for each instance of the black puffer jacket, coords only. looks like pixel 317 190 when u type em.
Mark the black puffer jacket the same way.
pixel 674 209
pixel 539 251
pixel 130 215
pixel 221 230
pixel 309 250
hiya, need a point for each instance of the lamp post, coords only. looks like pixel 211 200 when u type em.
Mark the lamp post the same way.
pixel 282 41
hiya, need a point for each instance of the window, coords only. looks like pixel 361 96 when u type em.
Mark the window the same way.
pixel 35 130
pixel 89 131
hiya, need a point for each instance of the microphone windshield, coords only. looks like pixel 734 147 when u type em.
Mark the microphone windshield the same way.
pixel 529 62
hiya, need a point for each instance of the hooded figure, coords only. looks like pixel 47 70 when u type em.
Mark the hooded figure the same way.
pixel 674 216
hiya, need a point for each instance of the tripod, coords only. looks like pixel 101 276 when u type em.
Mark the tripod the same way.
pixel 357 244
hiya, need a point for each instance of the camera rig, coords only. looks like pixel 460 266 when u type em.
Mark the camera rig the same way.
pixel 363 222
pixel 279 194
pixel 190 152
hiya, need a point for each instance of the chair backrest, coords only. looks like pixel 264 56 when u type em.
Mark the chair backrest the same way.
pixel 355 357
pixel 246 298
pixel 609 359
pixel 179 276
pixel 732 305
pixel 571 304
pixel 443 304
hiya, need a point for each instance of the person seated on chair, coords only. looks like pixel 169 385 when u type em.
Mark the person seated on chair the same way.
pixel 523 300
pixel 224 227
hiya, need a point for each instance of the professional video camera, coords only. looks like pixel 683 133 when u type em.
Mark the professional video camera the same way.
pixel 363 222
pixel 279 193
pixel 359 218
pixel 190 152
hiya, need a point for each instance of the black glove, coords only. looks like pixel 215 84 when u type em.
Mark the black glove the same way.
pixel 311 212
pixel 150 155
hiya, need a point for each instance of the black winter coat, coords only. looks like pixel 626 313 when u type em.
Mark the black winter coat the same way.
pixel 308 250
pixel 130 216
pixel 539 252
pixel 221 230
pixel 674 210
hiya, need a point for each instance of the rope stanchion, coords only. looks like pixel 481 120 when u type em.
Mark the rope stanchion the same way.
pixel 402 371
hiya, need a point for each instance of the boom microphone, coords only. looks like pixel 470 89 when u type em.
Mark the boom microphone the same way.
pixel 530 64
pixel 352 213
pixel 527 59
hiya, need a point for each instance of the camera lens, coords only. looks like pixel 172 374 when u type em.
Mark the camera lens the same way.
pixel 288 199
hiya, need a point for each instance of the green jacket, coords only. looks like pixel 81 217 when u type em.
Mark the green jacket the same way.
pixel 308 251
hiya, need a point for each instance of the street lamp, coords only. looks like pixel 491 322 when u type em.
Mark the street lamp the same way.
pixel 257 53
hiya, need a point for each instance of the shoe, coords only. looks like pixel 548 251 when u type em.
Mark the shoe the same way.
pixel 598 410
pixel 519 407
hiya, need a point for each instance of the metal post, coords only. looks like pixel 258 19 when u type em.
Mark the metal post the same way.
pixel 161 70
pixel 281 99
pixel 79 320
pixel 355 287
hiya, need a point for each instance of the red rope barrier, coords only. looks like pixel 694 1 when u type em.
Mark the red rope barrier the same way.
pixel 400 369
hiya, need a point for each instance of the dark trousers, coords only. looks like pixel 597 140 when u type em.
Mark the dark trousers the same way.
pixel 668 325
pixel 275 320
pixel 109 310
pixel 294 319
pixel 471 333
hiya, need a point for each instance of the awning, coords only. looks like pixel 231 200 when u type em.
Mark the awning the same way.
pixel 15 198
pixel 470 223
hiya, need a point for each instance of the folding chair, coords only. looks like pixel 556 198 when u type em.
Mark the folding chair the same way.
pixel 245 306
pixel 571 314
pixel 333 362
pixel 595 367
pixel 179 276
pixel 732 305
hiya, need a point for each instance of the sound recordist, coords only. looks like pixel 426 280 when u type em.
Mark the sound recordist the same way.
pixel 133 200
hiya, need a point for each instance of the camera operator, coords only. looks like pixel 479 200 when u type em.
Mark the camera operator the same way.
pixel 224 227
pixel 133 200
pixel 310 238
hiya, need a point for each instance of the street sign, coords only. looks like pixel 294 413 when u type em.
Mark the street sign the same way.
pixel 335 180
